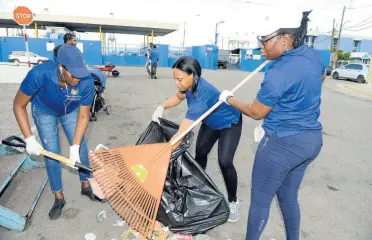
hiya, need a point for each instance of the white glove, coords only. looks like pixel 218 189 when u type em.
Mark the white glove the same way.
pixel 32 146
pixel 158 114
pixel 259 133
pixel 74 155
pixel 225 95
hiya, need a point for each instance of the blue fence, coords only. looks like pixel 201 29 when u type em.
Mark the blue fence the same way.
pixel 91 49
pixel 134 55
pixel 249 62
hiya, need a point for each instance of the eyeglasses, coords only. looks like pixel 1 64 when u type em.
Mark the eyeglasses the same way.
pixel 263 41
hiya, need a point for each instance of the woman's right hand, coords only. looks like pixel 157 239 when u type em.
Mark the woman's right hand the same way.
pixel 158 114
pixel 32 146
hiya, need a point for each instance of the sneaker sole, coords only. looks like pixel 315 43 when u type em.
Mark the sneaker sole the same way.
pixel 233 221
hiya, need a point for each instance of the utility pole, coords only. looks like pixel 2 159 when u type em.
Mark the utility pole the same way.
pixel 184 33
pixel 339 34
pixel 333 37
pixel 216 33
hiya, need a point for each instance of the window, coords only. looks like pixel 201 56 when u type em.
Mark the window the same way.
pixel 358 67
pixel 355 67
pixel 335 41
pixel 348 66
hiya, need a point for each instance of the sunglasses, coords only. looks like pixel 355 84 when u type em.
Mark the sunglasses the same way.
pixel 264 40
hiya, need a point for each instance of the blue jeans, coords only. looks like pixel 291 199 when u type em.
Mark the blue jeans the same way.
pixel 279 167
pixel 47 127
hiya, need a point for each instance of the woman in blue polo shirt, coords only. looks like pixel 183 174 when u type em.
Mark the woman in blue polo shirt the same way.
pixel 289 102
pixel 223 124
pixel 60 93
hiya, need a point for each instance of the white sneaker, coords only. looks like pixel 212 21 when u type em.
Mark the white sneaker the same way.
pixel 234 211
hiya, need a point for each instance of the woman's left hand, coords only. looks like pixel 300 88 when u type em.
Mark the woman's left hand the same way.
pixel 74 155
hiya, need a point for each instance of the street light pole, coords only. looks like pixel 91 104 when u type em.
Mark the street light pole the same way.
pixel 184 31
pixel 216 33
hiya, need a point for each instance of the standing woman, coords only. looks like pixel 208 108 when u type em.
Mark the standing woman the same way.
pixel 223 124
pixel 60 93
pixel 289 102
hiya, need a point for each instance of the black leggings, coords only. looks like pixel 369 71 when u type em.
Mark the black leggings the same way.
pixel 227 145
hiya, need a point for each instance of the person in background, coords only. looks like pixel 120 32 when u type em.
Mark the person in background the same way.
pixel 154 59
pixel 60 93
pixel 223 124
pixel 289 103
pixel 148 60
pixel 70 39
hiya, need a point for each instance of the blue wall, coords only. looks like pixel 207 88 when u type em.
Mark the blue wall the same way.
pixel 325 55
pixel 322 42
pixel 92 52
pixel 366 46
pixel 346 44
pixel 207 55
pixel 125 60
pixel 91 49
pixel 250 64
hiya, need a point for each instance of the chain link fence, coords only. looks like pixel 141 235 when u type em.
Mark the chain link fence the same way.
pixel 113 49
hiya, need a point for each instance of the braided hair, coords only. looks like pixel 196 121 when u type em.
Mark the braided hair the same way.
pixel 299 33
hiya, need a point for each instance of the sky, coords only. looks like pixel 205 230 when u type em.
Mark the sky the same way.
pixel 242 18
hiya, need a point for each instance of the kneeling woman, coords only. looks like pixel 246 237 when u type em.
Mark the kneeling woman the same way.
pixel 223 124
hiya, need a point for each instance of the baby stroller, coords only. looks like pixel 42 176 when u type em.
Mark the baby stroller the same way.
pixel 99 87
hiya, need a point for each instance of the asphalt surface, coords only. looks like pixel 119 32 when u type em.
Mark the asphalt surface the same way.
pixel 335 196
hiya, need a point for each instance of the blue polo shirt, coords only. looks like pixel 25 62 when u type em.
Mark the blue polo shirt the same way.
pixel 205 96
pixel 293 87
pixel 154 55
pixel 42 83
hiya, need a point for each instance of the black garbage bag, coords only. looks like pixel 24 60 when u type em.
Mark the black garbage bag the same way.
pixel 191 203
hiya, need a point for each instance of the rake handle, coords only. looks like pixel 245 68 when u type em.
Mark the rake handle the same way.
pixel 64 160
pixel 218 103
pixel 14 141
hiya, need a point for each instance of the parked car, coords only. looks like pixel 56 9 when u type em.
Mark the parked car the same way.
pixel 352 71
pixel 21 57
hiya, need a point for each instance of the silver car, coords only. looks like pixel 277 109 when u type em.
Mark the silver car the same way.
pixel 353 71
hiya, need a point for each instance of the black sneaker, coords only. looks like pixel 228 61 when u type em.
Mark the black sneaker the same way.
pixel 56 210
pixel 87 191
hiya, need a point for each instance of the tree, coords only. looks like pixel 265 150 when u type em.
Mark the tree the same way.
pixel 346 56
pixel 343 56
pixel 340 55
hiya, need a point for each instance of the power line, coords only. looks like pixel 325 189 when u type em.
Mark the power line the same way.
pixel 364 22
pixel 363 6
pixel 354 30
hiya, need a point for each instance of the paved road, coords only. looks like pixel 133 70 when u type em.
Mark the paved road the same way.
pixel 335 196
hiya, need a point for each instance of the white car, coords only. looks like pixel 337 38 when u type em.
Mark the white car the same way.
pixel 21 57
pixel 352 71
